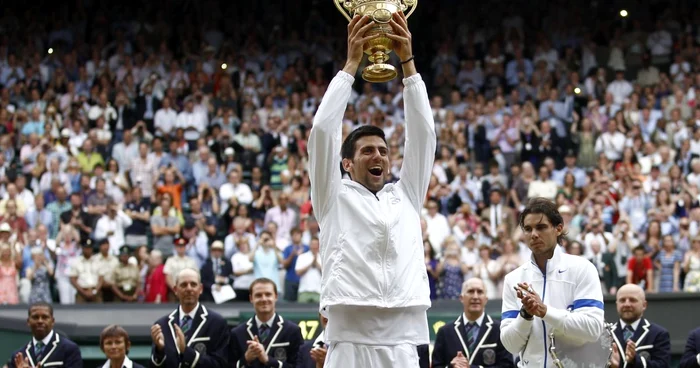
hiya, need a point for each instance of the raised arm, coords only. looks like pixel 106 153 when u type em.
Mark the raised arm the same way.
pixel 326 133
pixel 419 150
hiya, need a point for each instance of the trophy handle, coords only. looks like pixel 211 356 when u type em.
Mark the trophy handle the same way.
pixel 342 9
pixel 413 4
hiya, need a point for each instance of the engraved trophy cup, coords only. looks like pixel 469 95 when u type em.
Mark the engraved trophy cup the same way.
pixel 378 49
pixel 590 355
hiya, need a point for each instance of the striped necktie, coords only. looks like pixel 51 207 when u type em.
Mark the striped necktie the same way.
pixel 264 332
pixel 186 324
pixel 38 349
pixel 628 332
pixel 472 332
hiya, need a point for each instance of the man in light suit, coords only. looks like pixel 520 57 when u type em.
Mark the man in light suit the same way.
pixel 636 341
pixel 473 340
pixel 265 340
pixel 192 335
pixel 47 347
pixel 691 355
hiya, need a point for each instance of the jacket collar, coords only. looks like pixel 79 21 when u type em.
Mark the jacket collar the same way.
pixel 363 189
pixel 127 363
pixel 484 330
pixel 275 330
pixel 200 318
pixel 48 349
pixel 552 263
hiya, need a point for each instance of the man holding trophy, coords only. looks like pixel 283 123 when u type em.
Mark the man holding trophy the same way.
pixel 374 290
pixel 553 305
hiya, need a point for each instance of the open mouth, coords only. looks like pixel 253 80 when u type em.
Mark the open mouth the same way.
pixel 376 170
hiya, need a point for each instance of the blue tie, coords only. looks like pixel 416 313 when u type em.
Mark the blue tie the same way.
pixel 628 332
pixel 472 332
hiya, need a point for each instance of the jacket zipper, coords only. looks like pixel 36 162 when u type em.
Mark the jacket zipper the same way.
pixel 544 327
pixel 384 270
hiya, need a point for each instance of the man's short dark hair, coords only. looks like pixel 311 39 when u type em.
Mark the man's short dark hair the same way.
pixel 40 305
pixel 639 248
pixel 546 207
pixel 348 149
pixel 262 280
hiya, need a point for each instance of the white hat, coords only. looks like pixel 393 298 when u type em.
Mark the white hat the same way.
pixel 564 209
pixel 5 227
pixel 229 152
pixel 65 133
pixel 217 244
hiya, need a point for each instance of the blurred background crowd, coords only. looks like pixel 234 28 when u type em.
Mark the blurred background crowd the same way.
pixel 138 141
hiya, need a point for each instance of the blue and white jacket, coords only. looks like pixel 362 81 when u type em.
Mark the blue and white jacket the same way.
pixel 571 290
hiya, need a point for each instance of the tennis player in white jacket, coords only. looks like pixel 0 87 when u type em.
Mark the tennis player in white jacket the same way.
pixel 556 292
pixel 374 287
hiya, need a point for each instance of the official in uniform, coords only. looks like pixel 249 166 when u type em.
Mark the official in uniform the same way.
pixel 265 340
pixel 216 271
pixel 126 286
pixel 85 276
pixel 636 341
pixel 312 354
pixel 115 343
pixel 176 263
pixel 106 264
pixel 474 338
pixel 47 347
pixel 192 335
pixel 691 355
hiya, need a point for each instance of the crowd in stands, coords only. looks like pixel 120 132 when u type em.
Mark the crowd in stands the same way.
pixel 138 142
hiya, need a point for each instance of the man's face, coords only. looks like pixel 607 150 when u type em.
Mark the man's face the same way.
pixel 631 303
pixel 188 288
pixel 370 165
pixel 40 321
pixel 263 298
pixel 540 235
pixel 180 249
pixel 296 237
pixel 314 246
pixel 474 296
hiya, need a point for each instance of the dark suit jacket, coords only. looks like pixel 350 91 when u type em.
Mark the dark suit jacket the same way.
pixel 423 356
pixel 691 355
pixel 305 360
pixel 208 276
pixel 59 352
pixel 281 347
pixel 489 351
pixel 205 347
pixel 653 345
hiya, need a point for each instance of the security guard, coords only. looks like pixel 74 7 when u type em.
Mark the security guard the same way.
pixel 126 286
pixel 474 338
pixel 85 276
pixel 106 263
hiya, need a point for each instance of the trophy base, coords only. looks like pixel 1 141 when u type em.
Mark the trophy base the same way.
pixel 379 73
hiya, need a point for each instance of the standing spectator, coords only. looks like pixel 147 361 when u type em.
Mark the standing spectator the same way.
pixel 111 226
pixel 9 265
pixel 156 286
pixel 40 274
pixel 289 260
pixel 266 258
pixel 164 228
pixel 67 253
pixel 308 268
pixel 640 270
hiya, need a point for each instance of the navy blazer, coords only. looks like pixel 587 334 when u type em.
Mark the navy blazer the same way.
pixel 59 352
pixel 208 276
pixel 282 347
pixel 489 351
pixel 305 360
pixel 653 345
pixel 206 347
pixel 691 355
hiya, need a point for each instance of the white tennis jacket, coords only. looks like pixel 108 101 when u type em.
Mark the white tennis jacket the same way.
pixel 571 289
pixel 371 245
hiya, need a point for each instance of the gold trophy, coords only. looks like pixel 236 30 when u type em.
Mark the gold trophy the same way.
pixel 378 49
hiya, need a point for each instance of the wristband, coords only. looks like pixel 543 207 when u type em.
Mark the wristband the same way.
pixel 525 314
pixel 407 60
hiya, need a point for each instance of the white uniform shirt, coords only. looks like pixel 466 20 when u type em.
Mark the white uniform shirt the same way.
pixel 371 244
pixel 311 280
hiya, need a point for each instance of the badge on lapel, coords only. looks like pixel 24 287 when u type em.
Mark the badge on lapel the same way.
pixel 645 355
pixel 489 356
pixel 200 348
pixel 280 354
